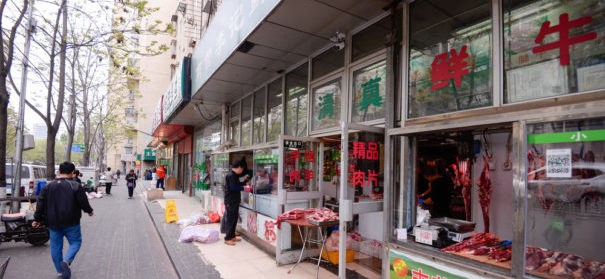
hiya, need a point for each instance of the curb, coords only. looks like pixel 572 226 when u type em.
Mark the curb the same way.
pixel 178 274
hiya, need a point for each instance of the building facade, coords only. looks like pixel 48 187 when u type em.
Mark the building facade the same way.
pixel 487 115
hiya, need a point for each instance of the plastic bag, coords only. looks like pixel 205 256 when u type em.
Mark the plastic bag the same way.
pixel 332 241
pixel 214 217
pixel 199 234
pixel 422 215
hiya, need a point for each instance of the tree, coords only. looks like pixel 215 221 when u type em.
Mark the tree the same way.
pixel 9 27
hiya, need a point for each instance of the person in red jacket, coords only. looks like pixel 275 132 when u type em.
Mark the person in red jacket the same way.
pixel 161 174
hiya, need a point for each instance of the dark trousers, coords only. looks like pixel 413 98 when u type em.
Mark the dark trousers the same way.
pixel 130 191
pixel 232 214
pixel 160 182
pixel 108 188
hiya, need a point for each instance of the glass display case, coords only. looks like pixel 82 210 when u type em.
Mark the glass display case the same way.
pixel 264 182
pixel 220 169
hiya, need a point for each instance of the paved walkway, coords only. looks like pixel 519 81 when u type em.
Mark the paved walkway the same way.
pixel 119 241
pixel 243 260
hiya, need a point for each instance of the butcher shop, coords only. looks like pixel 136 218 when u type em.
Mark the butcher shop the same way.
pixel 498 166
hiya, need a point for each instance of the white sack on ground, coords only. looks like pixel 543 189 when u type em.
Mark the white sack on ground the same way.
pixel 199 234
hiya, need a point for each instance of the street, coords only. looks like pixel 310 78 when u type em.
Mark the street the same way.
pixel 119 241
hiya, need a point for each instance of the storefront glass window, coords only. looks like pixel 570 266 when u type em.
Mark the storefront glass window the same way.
pixel 234 112
pixel 565 198
pixel 296 101
pixel 300 161
pixel 259 116
pixel 327 62
pixel 450 66
pixel 371 39
pixel 247 121
pixel 275 113
pixel 369 92
pixel 264 182
pixel 219 169
pixel 326 105
pixel 552 48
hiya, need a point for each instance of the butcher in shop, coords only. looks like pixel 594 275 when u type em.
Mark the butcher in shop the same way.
pixel 440 185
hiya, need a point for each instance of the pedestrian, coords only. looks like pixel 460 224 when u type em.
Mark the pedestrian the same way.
pixel 77 177
pixel 60 205
pixel 161 172
pixel 118 172
pixel 108 181
pixel 131 182
pixel 234 184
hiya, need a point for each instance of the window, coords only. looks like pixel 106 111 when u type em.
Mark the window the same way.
pixel 327 62
pixel 326 105
pixel 539 63
pixel 275 113
pixel 450 56
pixel 259 115
pixel 234 112
pixel 371 39
pixel 247 121
pixel 369 92
pixel 565 194
pixel 297 101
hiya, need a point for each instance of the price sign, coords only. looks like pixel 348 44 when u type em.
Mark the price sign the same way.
pixel 424 236
pixel 293 144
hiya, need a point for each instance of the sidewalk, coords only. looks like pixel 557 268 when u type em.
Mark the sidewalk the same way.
pixel 243 260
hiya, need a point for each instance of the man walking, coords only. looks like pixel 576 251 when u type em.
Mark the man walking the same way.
pixel 161 172
pixel 60 205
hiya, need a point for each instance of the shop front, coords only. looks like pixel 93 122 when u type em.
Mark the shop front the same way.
pixel 207 140
pixel 496 170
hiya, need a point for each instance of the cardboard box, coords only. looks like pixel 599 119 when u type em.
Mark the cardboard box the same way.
pixel 155 194
pixel 332 256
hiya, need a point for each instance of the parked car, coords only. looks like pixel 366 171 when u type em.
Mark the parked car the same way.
pixel 586 178
pixel 31 177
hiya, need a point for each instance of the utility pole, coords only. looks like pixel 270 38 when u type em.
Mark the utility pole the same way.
pixel 16 187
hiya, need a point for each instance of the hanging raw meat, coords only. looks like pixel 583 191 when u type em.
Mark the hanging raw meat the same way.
pixel 485 192
pixel 464 179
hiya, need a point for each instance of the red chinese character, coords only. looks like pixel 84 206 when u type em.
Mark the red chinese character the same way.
pixel 372 153
pixel 564 40
pixel 294 176
pixel 444 69
pixel 418 274
pixel 359 178
pixel 308 175
pixel 359 150
pixel 293 157
pixel 309 156
pixel 372 177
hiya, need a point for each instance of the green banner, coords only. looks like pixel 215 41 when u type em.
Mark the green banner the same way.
pixel 403 266
pixel 567 137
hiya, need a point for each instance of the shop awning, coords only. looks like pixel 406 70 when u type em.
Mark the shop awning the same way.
pixel 248 42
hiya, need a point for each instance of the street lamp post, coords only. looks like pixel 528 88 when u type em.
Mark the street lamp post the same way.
pixel 19 140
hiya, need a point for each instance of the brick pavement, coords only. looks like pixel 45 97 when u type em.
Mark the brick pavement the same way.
pixel 119 241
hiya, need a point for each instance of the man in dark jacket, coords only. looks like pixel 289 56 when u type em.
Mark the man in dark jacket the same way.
pixel 234 184
pixel 60 205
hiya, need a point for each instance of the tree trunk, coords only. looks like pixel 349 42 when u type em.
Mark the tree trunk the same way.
pixel 50 152
pixel 3 127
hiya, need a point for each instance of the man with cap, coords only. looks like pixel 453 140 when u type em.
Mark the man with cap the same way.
pixel 234 184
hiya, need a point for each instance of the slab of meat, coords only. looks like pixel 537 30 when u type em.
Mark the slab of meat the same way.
pixel 293 214
pixel 485 191
pixel 321 214
pixel 463 178
pixel 477 240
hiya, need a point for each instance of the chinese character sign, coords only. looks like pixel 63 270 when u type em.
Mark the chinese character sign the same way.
pixel 364 162
pixel 564 42
pixel 445 67
pixel 409 267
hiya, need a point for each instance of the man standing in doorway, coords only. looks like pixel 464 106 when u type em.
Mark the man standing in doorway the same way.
pixel 234 184
pixel 60 205
pixel 161 172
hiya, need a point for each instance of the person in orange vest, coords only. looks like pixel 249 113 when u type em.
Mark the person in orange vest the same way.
pixel 161 174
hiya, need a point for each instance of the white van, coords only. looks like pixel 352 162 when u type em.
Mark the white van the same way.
pixel 31 175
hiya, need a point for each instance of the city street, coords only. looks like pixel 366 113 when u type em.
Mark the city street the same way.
pixel 119 241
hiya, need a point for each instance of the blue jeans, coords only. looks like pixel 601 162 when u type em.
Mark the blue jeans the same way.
pixel 74 237
pixel 160 182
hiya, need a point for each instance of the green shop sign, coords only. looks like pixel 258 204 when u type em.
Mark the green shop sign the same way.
pixel 149 155
pixel 266 159
pixel 567 137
